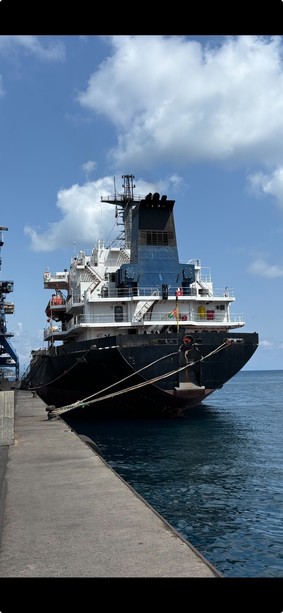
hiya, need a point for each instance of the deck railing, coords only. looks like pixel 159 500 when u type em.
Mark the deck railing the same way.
pixel 145 292
pixel 157 319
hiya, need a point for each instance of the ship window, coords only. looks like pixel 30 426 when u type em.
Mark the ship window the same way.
pixel 118 313
pixel 155 237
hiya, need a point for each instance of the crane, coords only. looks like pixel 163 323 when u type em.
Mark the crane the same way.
pixel 8 356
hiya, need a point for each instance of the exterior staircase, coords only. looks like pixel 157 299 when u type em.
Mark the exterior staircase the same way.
pixel 143 306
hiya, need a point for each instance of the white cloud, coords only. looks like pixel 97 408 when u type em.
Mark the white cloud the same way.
pixel 2 91
pixel 45 48
pixel 266 344
pixel 85 219
pixel 268 183
pixel 261 268
pixel 89 167
pixel 171 96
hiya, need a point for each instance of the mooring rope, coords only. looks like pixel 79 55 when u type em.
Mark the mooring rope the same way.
pixel 92 400
pixel 38 387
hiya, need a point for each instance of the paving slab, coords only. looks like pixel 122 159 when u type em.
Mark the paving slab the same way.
pixel 66 513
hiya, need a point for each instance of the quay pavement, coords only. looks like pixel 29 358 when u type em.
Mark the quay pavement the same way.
pixel 65 513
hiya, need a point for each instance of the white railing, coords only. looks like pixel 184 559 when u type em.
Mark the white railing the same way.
pixel 157 319
pixel 74 299
pixel 58 276
pixel 145 292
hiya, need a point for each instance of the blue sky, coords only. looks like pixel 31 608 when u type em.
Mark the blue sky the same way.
pixel 198 118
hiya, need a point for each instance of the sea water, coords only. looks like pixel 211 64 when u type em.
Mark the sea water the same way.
pixel 216 475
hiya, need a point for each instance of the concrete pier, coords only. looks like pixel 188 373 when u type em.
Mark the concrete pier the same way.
pixel 66 513
pixel 6 418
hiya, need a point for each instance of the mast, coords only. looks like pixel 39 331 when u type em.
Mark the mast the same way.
pixel 8 357
pixel 124 203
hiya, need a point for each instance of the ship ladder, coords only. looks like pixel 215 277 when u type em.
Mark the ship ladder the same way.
pixel 97 278
pixel 205 288
pixel 124 257
pixel 142 307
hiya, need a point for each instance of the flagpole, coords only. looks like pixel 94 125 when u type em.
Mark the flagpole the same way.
pixel 177 311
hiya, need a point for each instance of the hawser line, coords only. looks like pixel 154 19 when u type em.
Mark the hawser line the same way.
pixel 53 411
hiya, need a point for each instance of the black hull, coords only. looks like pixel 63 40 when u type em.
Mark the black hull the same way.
pixel 112 375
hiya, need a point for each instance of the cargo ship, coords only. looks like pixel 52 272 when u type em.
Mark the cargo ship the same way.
pixel 131 329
